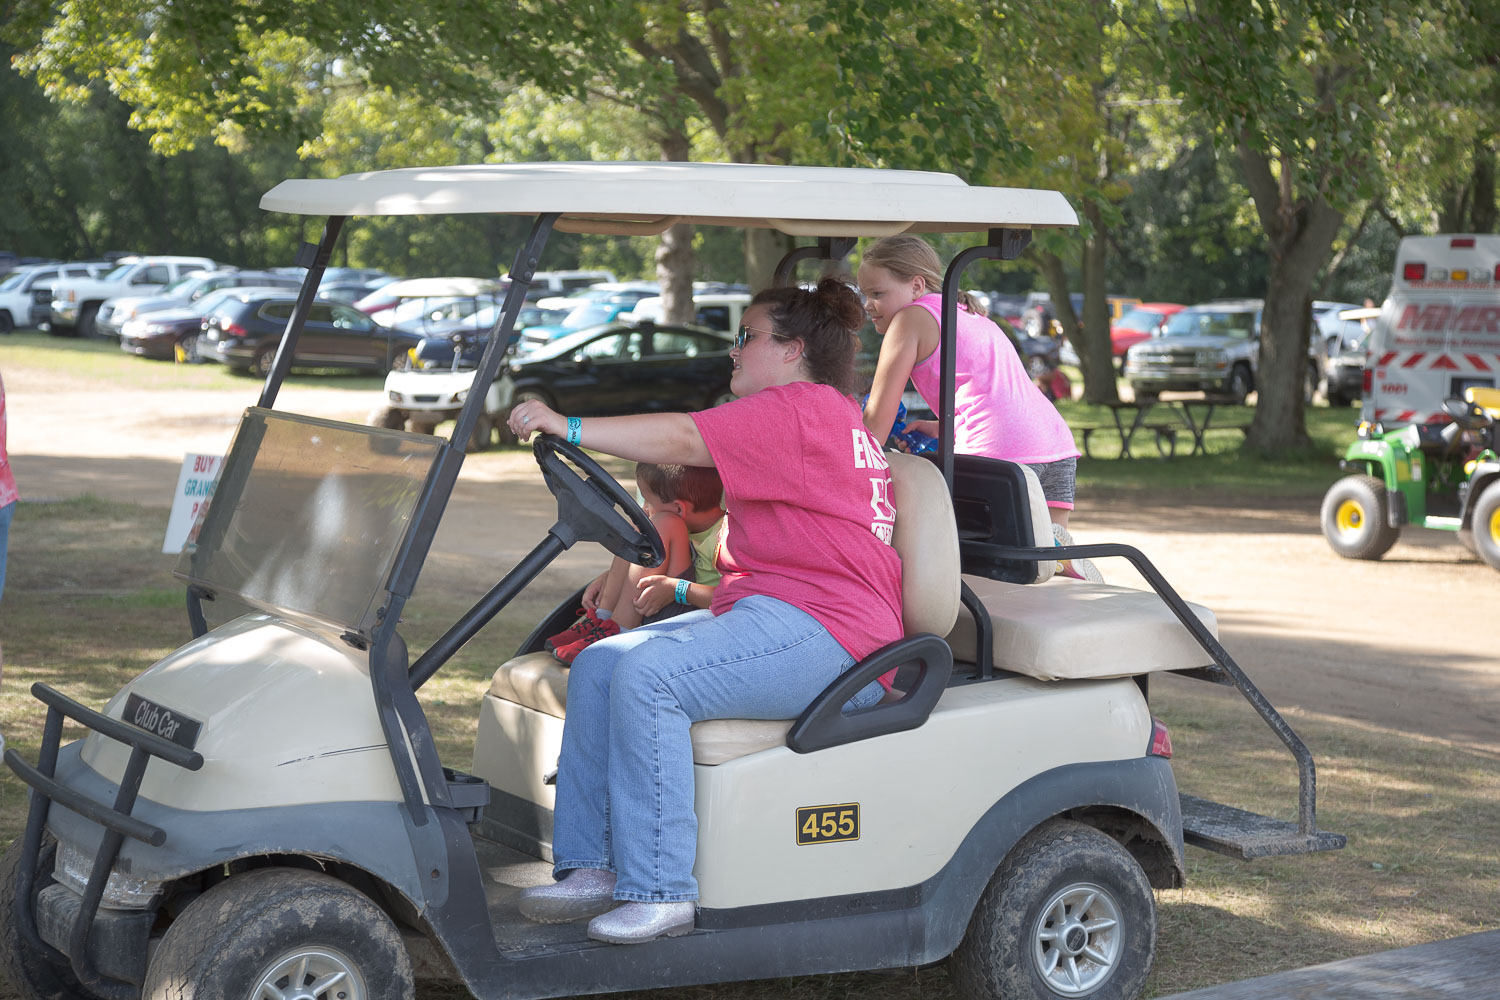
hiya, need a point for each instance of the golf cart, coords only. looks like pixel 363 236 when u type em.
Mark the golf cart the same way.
pixel 1440 475
pixel 263 813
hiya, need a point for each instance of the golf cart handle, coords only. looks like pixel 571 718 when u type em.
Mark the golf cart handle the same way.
pixel 824 724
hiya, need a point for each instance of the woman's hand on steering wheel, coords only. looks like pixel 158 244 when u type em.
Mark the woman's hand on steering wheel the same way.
pixel 533 415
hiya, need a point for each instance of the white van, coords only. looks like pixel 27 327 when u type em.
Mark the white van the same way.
pixel 1438 331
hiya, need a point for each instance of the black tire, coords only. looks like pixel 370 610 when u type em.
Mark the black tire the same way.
pixel 1337 400
pixel 260 365
pixel 1046 907
pixel 87 313
pixel 1354 518
pixel 1485 526
pixel 7 324
pixel 33 973
pixel 1239 385
pixel 484 430
pixel 388 417
pixel 245 930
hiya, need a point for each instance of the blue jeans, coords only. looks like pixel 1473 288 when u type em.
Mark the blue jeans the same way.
pixel 6 513
pixel 625 774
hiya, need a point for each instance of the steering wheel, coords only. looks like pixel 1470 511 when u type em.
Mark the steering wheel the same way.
pixel 589 506
pixel 1469 416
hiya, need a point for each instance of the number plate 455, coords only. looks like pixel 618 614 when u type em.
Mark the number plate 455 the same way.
pixel 827 824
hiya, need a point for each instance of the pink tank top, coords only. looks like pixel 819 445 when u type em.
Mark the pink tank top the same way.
pixel 998 412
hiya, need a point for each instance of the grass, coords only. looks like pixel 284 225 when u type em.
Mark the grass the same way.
pixel 90 602
pixel 81 363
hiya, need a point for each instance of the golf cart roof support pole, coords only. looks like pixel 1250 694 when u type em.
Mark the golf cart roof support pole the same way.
pixel 827 248
pixel 1307 776
pixel 315 259
pixel 1004 244
pixel 504 330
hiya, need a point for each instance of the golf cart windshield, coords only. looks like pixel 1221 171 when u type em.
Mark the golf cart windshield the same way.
pixel 308 517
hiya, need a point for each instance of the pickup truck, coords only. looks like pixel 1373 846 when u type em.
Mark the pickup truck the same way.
pixel 1213 347
pixel 76 301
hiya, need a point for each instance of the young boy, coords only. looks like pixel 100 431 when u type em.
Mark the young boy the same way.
pixel 685 503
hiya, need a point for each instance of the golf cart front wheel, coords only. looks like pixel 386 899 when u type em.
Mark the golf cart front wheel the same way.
pixel 1486 526
pixel 279 933
pixel 33 973
pixel 1069 914
pixel 1355 520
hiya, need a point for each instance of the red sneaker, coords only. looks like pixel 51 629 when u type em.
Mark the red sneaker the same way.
pixel 570 652
pixel 586 624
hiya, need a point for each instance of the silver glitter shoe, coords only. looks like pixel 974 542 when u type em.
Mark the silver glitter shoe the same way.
pixel 581 892
pixel 636 923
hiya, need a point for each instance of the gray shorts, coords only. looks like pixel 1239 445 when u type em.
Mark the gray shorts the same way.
pixel 1057 481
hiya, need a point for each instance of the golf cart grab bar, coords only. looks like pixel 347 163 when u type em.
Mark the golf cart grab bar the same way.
pixel 117 822
pixel 1307 780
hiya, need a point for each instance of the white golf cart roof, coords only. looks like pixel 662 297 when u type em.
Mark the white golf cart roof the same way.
pixel 647 198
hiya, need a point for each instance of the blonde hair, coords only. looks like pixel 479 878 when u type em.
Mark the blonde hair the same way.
pixel 910 257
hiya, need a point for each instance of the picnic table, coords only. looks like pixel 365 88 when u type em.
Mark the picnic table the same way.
pixel 1192 415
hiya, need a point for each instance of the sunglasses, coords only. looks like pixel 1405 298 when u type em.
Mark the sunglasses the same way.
pixel 742 337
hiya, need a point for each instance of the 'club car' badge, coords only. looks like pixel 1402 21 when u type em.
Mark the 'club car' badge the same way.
pixel 162 721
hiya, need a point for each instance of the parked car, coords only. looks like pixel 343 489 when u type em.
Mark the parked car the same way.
pixel 387 297
pixel 715 310
pixel 627 292
pixel 1142 322
pixel 545 284
pixel 243 333
pixel 1213 347
pixel 1348 347
pixel 470 335
pixel 172 334
pixel 76 301
pixel 114 313
pixel 26 292
pixel 588 315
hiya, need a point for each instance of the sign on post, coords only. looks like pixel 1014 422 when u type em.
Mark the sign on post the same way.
pixel 195 485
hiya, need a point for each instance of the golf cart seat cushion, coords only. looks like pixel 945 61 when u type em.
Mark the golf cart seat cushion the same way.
pixel 926 538
pixel 1073 630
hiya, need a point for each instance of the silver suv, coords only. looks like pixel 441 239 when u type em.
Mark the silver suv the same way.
pixel 1213 347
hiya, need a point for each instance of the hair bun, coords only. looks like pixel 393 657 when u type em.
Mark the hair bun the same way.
pixel 835 295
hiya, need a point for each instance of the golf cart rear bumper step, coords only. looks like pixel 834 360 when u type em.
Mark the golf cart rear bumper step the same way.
pixel 1247 835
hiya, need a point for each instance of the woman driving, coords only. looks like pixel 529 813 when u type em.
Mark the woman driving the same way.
pixel 810 586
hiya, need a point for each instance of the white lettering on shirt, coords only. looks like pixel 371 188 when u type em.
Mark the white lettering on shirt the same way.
pixel 867 454
pixel 883 525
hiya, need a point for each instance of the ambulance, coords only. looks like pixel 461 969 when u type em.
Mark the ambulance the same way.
pixel 1438 333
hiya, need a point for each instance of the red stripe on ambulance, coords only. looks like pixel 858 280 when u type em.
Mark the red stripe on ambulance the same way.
pixel 1411 362
pixel 1475 361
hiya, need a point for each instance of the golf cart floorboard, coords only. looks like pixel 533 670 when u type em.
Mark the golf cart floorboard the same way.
pixel 506 872
pixel 1247 835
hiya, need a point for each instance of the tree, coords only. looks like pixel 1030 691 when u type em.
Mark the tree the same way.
pixel 1310 96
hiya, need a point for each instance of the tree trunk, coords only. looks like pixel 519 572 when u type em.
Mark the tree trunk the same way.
pixel 674 254
pixel 1300 233
pixel 1095 353
pixel 764 249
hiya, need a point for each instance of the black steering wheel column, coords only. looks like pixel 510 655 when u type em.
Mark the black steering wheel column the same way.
pixel 591 507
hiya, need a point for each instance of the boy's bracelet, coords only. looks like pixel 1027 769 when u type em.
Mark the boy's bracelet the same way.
pixel 575 430
pixel 681 596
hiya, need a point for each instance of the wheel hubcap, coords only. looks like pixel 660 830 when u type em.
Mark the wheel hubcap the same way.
pixel 1495 526
pixel 1350 516
pixel 1077 939
pixel 311 974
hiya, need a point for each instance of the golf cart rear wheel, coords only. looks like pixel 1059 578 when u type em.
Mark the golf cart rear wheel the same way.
pixel 1486 526
pixel 279 933
pixel 1069 914
pixel 33 973
pixel 1354 518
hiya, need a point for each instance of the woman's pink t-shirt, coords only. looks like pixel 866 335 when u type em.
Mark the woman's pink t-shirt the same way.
pixel 808 512
pixel 998 412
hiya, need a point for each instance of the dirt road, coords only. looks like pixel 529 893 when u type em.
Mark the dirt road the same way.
pixel 1406 644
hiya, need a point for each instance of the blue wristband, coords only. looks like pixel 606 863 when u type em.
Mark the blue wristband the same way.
pixel 575 430
pixel 682 592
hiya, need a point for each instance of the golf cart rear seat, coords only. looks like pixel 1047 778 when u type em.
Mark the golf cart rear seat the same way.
pixel 1070 629
pixel 925 537
pixel 1067 630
